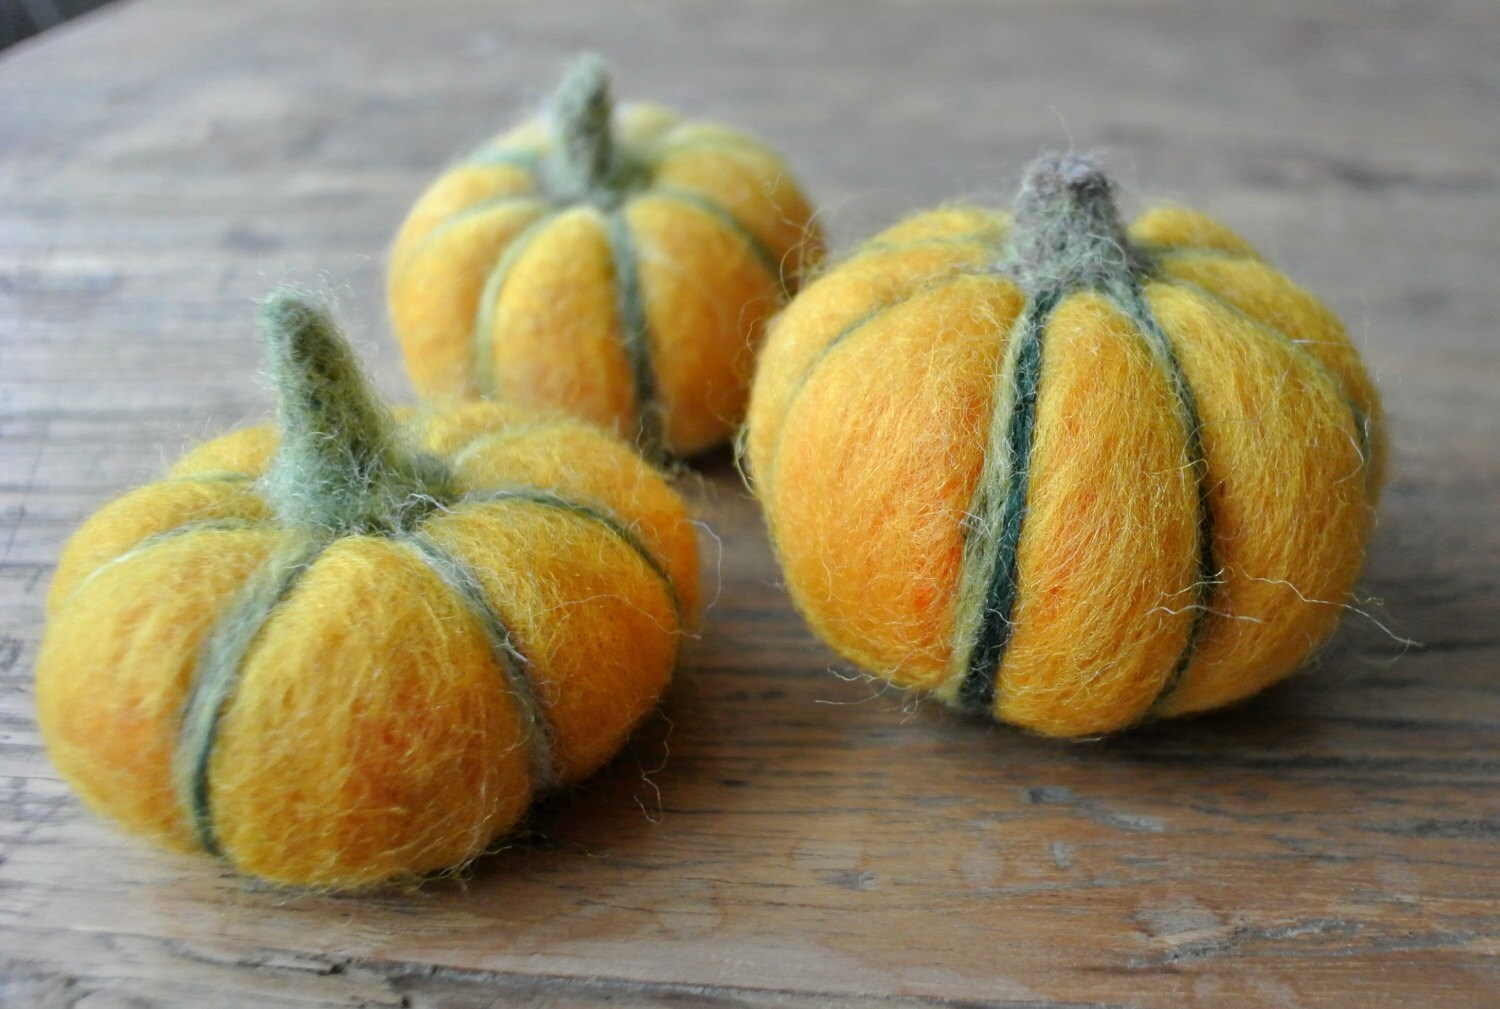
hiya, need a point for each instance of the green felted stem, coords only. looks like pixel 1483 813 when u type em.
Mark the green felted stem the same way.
pixel 341 466
pixel 1067 232
pixel 582 110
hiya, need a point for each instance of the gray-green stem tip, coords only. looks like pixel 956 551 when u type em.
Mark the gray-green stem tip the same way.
pixel 582 111
pixel 340 465
pixel 1068 232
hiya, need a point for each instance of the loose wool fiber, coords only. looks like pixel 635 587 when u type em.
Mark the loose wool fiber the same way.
pixel 353 649
pixel 618 266
pixel 1065 474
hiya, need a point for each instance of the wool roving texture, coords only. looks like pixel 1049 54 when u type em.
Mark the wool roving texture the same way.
pixel 1061 472
pixel 351 648
pixel 618 265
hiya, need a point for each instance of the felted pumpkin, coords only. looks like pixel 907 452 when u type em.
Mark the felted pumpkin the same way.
pixel 618 266
pixel 1061 472
pixel 353 649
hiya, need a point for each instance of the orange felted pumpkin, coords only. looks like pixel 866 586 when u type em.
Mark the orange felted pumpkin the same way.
pixel 1063 472
pixel 352 648
pixel 618 265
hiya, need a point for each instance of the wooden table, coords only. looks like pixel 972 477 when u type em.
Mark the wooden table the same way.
pixel 780 836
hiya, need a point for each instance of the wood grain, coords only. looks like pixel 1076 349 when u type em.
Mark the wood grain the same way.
pixel 780 836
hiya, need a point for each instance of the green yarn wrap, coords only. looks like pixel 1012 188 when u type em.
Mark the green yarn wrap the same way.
pixel 1067 237
pixel 217 674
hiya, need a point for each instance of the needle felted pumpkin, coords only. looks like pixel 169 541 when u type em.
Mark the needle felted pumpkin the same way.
pixel 1061 472
pixel 353 649
pixel 616 265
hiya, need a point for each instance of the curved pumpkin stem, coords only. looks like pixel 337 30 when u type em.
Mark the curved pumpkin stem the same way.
pixel 341 465
pixel 1068 233
pixel 583 110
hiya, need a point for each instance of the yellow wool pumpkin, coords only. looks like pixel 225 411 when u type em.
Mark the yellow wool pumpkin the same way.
pixel 352 651
pixel 616 266
pixel 1064 473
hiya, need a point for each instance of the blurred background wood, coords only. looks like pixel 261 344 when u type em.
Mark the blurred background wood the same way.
pixel 780 836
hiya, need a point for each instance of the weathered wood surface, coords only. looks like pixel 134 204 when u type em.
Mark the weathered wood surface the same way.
pixel 781 836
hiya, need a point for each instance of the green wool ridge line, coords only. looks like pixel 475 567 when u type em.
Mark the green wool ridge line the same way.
pixel 1067 237
pixel 598 516
pixel 216 674
pixel 488 205
pixel 734 226
pixel 1131 300
pixel 166 536
pixel 1358 417
pixel 466 451
pixel 484 318
pixel 589 166
pixel 999 507
pixel 339 469
pixel 843 336
pixel 512 662
pixel 586 167
pixel 1159 253
pixel 636 336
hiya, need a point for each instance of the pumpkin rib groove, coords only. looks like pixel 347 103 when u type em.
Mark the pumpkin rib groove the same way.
pixel 805 377
pixel 488 205
pixel 999 504
pixel 166 535
pixel 1302 389
pixel 1063 262
pixel 734 226
pixel 635 333
pixel 595 514
pixel 484 439
pixel 509 657
pixel 1131 300
pixel 484 317
pixel 1361 420
pixel 216 675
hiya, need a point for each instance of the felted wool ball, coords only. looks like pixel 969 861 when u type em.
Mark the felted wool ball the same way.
pixel 352 648
pixel 618 265
pixel 1062 472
